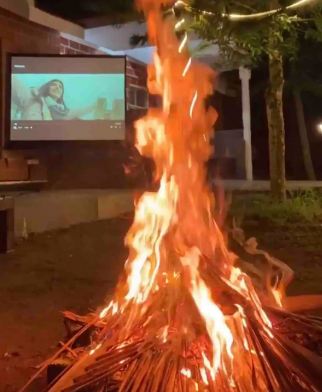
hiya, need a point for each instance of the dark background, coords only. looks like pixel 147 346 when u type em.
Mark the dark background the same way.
pixel 90 13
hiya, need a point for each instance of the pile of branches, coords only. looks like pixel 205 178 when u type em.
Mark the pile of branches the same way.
pixel 102 355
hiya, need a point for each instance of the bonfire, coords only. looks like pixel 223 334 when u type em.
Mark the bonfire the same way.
pixel 185 316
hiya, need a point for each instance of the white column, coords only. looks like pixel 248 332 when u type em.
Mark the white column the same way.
pixel 245 75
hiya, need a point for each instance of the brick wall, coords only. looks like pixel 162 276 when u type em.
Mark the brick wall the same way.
pixel 68 46
pixel 136 72
pixel 69 165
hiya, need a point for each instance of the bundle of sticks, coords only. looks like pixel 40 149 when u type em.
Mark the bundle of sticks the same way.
pixel 167 348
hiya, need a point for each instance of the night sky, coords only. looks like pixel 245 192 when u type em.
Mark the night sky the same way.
pixel 78 10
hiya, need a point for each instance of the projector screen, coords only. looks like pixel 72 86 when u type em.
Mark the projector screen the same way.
pixel 67 98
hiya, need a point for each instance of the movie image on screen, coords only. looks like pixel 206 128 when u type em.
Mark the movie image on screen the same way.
pixel 67 98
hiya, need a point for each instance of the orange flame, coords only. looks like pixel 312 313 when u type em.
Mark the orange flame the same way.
pixel 218 331
pixel 154 215
pixel 174 231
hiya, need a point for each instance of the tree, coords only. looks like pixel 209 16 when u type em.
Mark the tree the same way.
pixel 304 78
pixel 271 38
pixel 306 150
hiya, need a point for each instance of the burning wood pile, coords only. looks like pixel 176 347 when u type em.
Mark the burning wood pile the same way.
pixel 184 316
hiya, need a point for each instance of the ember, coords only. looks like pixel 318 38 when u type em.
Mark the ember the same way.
pixel 184 317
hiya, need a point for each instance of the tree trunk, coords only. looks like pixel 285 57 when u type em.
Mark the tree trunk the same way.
pixel 306 151
pixel 275 119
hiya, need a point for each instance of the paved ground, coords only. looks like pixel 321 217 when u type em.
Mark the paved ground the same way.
pixel 76 269
pixel 71 269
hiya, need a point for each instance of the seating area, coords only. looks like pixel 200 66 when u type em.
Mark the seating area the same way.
pixel 18 170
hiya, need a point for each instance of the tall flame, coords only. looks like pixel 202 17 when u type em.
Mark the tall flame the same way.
pixel 174 230
pixel 219 333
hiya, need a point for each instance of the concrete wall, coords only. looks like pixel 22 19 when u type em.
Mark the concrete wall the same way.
pixel 44 211
pixel 27 9
pixel 54 22
pixel 19 7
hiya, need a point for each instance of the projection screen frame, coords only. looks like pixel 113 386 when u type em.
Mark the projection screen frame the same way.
pixel 30 144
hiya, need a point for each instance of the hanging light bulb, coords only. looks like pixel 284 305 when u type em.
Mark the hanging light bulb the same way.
pixel 319 127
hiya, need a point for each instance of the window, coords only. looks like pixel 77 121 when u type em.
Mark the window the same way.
pixel 137 97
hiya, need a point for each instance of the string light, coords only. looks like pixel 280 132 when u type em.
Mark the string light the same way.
pixel 179 2
pixel 179 24
pixel 257 15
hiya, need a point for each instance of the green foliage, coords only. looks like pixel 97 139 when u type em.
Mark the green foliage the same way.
pixel 314 31
pixel 249 42
pixel 299 207
pixel 304 70
pixel 138 40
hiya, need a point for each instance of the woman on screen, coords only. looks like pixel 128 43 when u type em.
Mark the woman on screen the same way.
pixel 45 103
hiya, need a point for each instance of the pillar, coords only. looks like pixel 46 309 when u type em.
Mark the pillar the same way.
pixel 245 75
